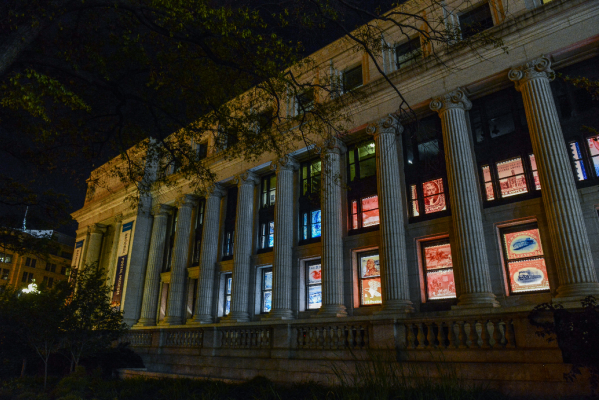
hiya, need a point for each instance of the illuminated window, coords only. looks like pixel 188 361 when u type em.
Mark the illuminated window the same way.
pixel 362 194
pixel 352 78
pixel 362 161
pixel 5 258
pixel 438 270
pixel 408 53
pixel 197 246
pixel 365 212
pixel 269 190
pixel 488 182
pixel 475 21
pixel 229 224
pixel 309 201
pixel 524 259
pixel 266 214
pixel 535 173
pixel 434 196
pixel 267 235
pixel 510 177
pixel 5 273
pixel 370 278
pixel 227 294
pixel 266 289
pixel 313 285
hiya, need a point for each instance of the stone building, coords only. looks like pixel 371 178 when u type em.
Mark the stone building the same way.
pixel 437 244
pixel 19 270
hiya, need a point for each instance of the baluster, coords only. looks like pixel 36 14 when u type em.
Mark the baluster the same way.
pixel 497 336
pixel 363 336
pixel 462 335
pixel 312 338
pixel 484 334
pixel 430 336
pixel 420 335
pixel 302 337
pixel 473 336
pixel 351 342
pixel 510 339
pixel 441 336
pixel 410 338
pixel 336 338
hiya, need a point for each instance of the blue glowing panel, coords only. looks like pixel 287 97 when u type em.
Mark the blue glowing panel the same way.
pixel 268 280
pixel 267 301
pixel 581 173
pixel 314 297
pixel 227 305
pixel 229 282
pixel 271 234
pixel 315 223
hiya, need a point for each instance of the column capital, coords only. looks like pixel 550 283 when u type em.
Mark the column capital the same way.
pixel 387 125
pixel 538 68
pixel 187 200
pixel 97 228
pixel 453 99
pixel 162 210
pixel 284 163
pixel 215 190
pixel 331 145
pixel 246 178
pixel 118 218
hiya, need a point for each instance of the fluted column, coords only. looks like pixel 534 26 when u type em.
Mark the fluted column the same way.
pixel 332 230
pixel 242 247
pixel 569 239
pixel 394 266
pixel 176 289
pixel 476 290
pixel 94 247
pixel 284 239
pixel 208 256
pixel 155 259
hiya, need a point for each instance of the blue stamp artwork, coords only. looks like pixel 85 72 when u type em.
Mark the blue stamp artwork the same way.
pixel 268 280
pixel 527 244
pixel 267 301
pixel 314 297
pixel 529 276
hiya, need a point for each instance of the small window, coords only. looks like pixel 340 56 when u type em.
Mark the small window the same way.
pixel 227 297
pixel 524 259
pixel 475 21
pixel 201 150
pixel 266 290
pixel 352 78
pixel 5 273
pixel 5 258
pixel 311 225
pixel 313 285
pixel 365 212
pixel 311 178
pixel 27 277
pixel 229 224
pixel 30 262
pixel 228 245
pixel 577 160
pixel 511 177
pixel 433 197
pixel 63 270
pixel 362 161
pixel 199 228
pixel 370 278
pixel 304 101
pixel 170 242
pixel 438 270
pixel 269 190
pixel 408 53
pixel 267 235
pixel 45 281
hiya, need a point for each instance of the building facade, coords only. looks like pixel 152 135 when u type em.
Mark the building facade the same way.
pixel 441 236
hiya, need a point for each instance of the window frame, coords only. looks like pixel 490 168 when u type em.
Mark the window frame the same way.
pixel 229 224
pixel 309 199
pixel 308 285
pixel 423 245
pixel 263 290
pixel 227 292
pixel 359 256
pixel 413 59
pixel 360 188
pixel 467 31
pixel 345 84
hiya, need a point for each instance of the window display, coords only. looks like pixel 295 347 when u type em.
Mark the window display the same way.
pixel 370 279
pixel 313 285
pixel 266 289
pixel 438 269
pixel 434 198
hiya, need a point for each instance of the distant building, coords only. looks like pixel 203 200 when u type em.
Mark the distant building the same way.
pixel 448 237
pixel 19 270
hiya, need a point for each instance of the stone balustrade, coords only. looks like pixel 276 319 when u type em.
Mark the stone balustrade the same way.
pixel 245 338
pixel 137 338
pixel 333 337
pixel 184 338
pixel 467 333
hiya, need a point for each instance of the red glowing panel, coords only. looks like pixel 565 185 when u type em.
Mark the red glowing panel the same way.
pixel 370 211
pixel 434 199
pixel 523 244
pixel 528 275
pixel 440 284
pixel 369 266
pixel 437 257
pixel 371 291
pixel 535 173
pixel 511 177
pixel 594 145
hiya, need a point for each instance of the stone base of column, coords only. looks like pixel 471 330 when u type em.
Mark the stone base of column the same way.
pixel 332 310
pixel 201 319
pixel 145 322
pixel 397 307
pixel 476 300
pixel 575 292
pixel 236 317
pixel 172 321
pixel 129 321
pixel 284 313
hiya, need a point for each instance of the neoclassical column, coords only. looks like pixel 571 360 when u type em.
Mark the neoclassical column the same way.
pixel 96 232
pixel 394 266
pixel 465 202
pixel 155 259
pixel 569 239
pixel 284 239
pixel 332 230
pixel 208 256
pixel 176 289
pixel 242 246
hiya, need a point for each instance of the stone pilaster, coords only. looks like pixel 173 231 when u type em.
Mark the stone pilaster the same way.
pixel 208 256
pixel 242 247
pixel 394 266
pixel 284 239
pixel 96 233
pixel 569 239
pixel 332 230
pixel 464 196
pixel 174 308
pixel 155 259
